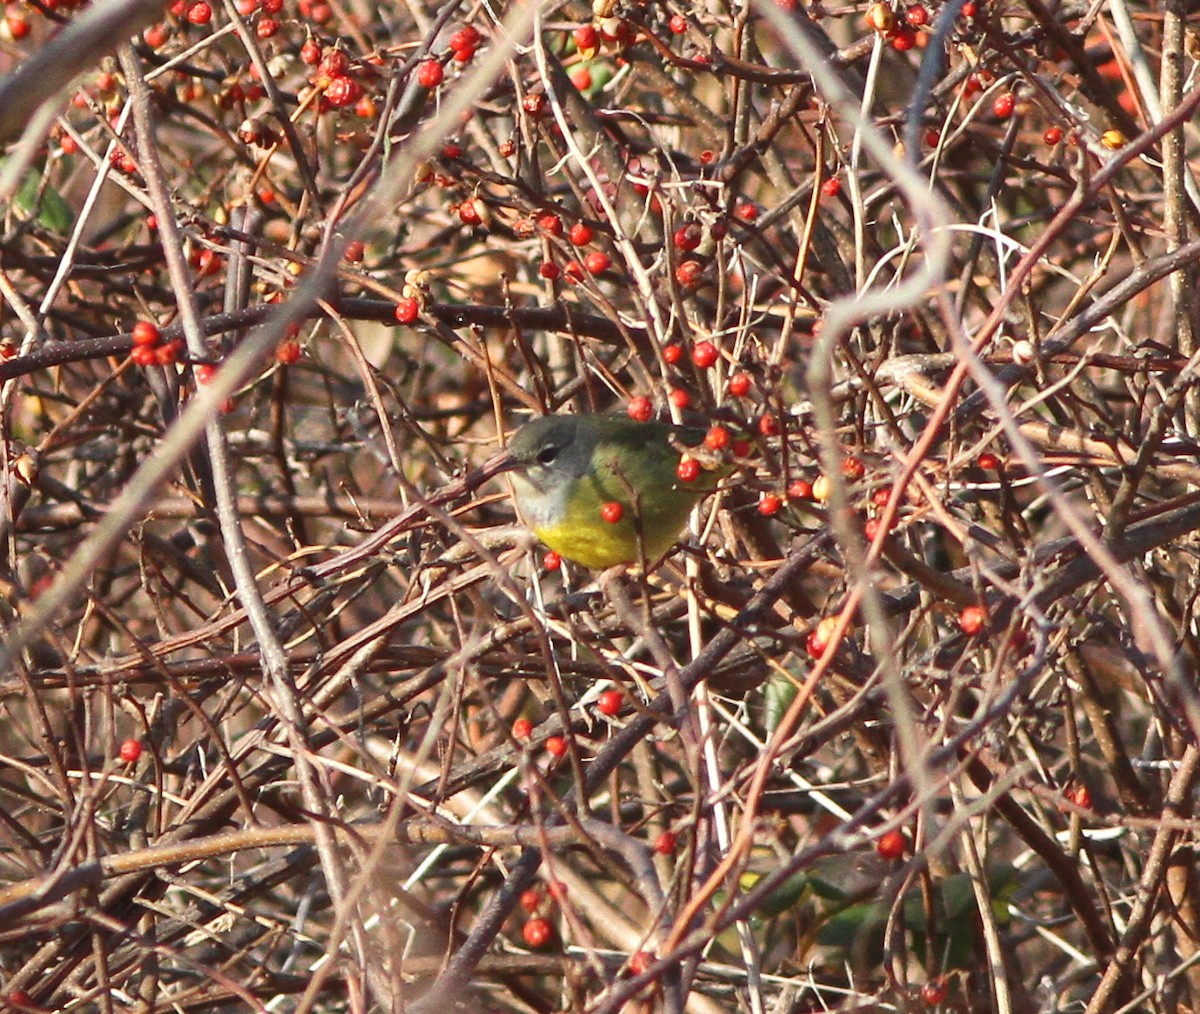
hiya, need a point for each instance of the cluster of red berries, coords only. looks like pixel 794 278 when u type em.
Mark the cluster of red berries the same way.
pixel 150 349
pixel 555 746
pixel 464 42
pixel 537 932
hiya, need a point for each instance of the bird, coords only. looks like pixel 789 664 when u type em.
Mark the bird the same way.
pixel 604 490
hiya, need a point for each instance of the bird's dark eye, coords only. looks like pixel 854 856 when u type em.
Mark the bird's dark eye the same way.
pixel 547 454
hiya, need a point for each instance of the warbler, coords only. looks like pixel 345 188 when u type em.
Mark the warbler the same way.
pixel 603 490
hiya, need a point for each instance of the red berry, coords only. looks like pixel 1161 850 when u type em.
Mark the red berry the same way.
pixel 287 352
pixel 639 961
pixel 451 151
pixel 200 13
pixel 169 352
pixel 800 489
pixel 407 309
pixel 688 274
pixel 204 372
pixel 640 408
pixel 131 751
pixel 209 262
pixel 471 212
pixel 597 262
pixel 819 637
pixel 891 845
pixel 934 992
pixel 574 272
pixel 548 269
pixel 666 843
pixel 1004 105
pixel 672 354
pixel 430 74
pixel 717 438
pixel 747 212
pixel 688 237
pixel 677 24
pixel 768 425
pixel 903 39
pixel 688 469
pixel 534 105
pixel 1052 136
pixel 680 398
pixel 989 461
pixel 334 63
pixel 917 15
pixel 310 52
pixel 704 355
pixel 769 504
pixel 467 37
pixel 969 10
pixel 550 224
pixel 146 333
pixel 551 561
pixel 853 468
pixel 531 899
pixel 1080 795
pixel 581 234
pixel 831 187
pixel 266 28
pixel 610 702
pixel 522 728
pixel 19 998
pixel 932 138
pixel 739 385
pixel 537 932
pixel 354 251
pixel 972 619
pixel 581 79
pixel 612 512
pixel 556 746
pixel 587 39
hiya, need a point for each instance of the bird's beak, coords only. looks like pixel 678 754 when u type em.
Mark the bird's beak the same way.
pixel 497 464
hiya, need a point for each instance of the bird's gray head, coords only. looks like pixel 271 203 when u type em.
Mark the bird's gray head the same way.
pixel 549 454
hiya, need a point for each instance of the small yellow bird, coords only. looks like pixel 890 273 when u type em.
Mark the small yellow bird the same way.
pixel 604 490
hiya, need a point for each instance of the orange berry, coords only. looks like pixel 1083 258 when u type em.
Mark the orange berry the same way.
pixel 146 333
pixel 971 620
pixel 537 932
